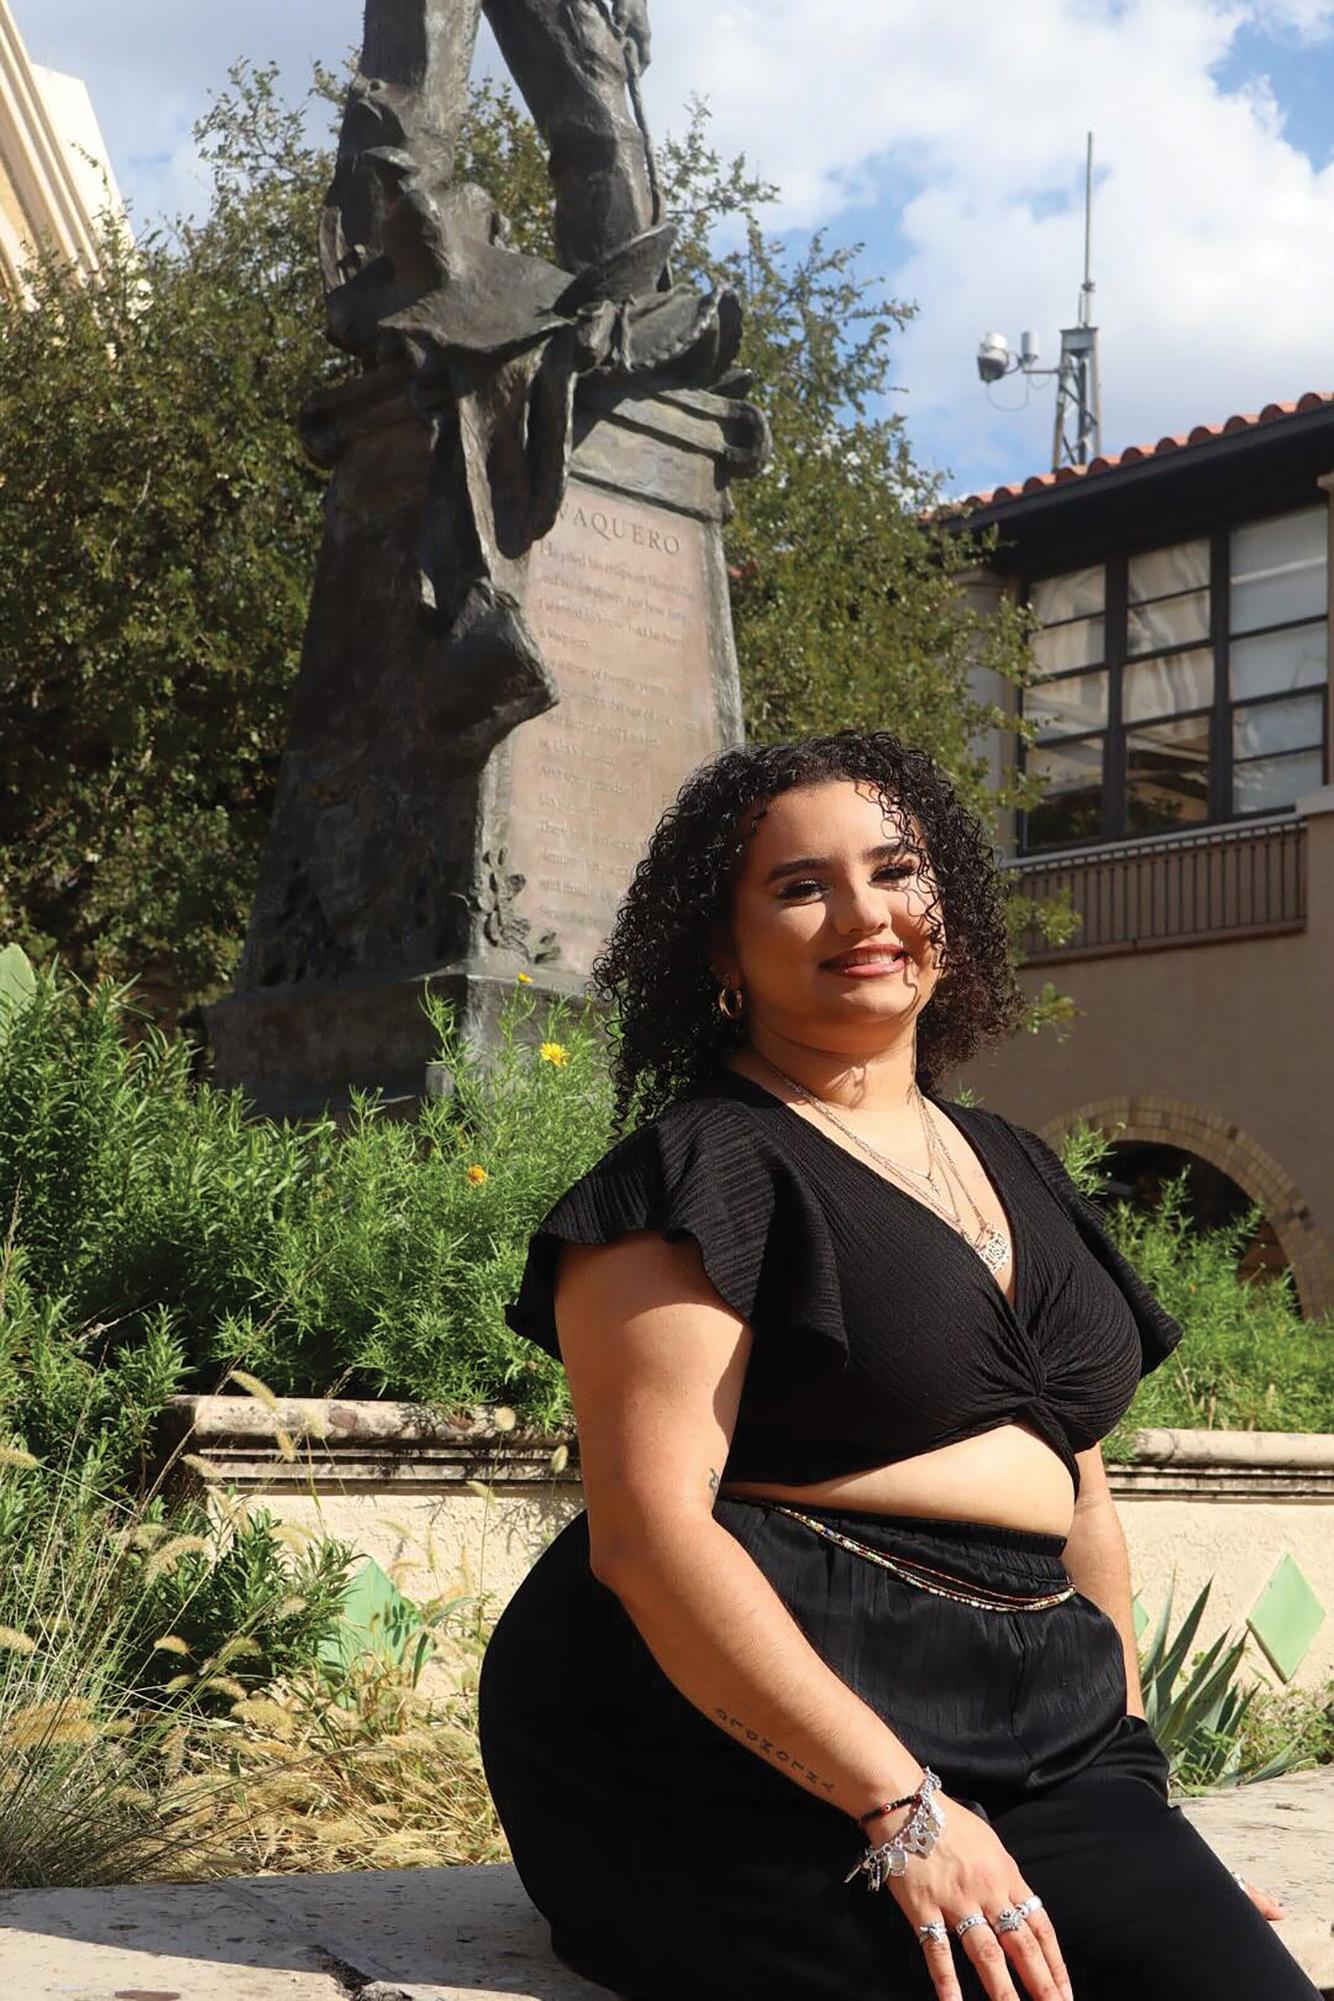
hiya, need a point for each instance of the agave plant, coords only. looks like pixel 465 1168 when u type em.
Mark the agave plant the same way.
pixel 1197 1708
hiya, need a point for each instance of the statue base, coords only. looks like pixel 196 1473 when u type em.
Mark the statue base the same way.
pixel 299 1051
pixel 411 847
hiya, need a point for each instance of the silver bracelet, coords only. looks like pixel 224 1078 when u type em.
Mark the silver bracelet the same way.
pixel 918 1836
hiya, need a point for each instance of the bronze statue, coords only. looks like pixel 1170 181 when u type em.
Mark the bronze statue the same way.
pixel 419 277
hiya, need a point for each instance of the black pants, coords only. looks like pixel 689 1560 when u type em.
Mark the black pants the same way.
pixel 672 1862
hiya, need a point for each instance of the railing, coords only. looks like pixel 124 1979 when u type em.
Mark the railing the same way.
pixel 1173 889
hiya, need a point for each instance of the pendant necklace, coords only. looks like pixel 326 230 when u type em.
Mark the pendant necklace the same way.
pixel 990 1244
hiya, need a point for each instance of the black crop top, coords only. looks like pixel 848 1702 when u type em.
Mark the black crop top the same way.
pixel 878 1332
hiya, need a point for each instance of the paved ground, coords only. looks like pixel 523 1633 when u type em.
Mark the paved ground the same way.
pixel 424 1934
pixel 470 1935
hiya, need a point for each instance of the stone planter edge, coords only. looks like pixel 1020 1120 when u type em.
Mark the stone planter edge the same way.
pixel 352 1438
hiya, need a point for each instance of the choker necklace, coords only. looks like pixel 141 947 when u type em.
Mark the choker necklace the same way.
pixel 990 1244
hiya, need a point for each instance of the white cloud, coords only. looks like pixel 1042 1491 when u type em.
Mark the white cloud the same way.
pixel 951 137
pixel 1313 20
pixel 1213 236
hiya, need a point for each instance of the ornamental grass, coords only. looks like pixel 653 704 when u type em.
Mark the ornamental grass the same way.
pixel 125 1627
pixel 173 1704
pixel 369 1773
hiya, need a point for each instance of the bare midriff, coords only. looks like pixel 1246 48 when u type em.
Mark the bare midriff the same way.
pixel 1008 1477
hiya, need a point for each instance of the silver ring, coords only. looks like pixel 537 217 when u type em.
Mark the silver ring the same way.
pixel 1029 1905
pixel 1237 1877
pixel 966 1924
pixel 1008 1920
pixel 937 1930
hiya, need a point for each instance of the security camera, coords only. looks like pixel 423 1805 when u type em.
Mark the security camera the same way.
pixel 993 357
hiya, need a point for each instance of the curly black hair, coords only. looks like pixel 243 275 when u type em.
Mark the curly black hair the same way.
pixel 667 1031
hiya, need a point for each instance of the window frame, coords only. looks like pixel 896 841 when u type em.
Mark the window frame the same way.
pixel 1221 711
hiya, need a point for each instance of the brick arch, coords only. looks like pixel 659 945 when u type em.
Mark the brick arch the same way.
pixel 1164 1121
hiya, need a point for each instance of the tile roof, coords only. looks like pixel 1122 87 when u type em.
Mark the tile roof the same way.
pixel 1203 434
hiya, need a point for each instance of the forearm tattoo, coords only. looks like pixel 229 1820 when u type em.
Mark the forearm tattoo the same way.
pixel 755 1740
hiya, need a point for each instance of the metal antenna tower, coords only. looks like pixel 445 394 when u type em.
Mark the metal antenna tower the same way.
pixel 1077 433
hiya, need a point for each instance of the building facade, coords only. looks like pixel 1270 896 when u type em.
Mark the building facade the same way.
pixel 55 179
pixel 1181 695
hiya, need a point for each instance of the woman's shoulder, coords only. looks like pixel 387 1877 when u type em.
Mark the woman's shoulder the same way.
pixel 704 1142
pixel 704 1168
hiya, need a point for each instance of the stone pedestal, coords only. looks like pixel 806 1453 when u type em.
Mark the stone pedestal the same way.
pixel 414 845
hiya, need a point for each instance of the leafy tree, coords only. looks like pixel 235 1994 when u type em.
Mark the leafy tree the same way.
pixel 161 523
pixel 157 541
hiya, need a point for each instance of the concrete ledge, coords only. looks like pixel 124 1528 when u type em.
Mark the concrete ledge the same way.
pixel 364 1443
pixel 470 1934
pixel 1307 1451
pixel 335 1432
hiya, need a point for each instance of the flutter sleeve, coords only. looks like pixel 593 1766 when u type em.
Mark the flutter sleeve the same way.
pixel 1159 1332
pixel 700 1172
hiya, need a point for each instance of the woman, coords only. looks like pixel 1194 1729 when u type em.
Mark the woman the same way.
pixel 832 1690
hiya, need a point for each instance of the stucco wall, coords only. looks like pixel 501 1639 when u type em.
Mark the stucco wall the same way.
pixel 445 1511
pixel 1230 1039
pixel 435 1546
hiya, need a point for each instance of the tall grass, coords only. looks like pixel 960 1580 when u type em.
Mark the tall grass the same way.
pixel 165 1710
pixel 122 1627
pixel 172 1703
pixel 357 1769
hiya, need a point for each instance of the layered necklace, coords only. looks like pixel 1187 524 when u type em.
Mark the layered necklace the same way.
pixel 934 1188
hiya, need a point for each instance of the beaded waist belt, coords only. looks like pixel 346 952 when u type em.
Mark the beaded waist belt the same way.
pixel 927 1578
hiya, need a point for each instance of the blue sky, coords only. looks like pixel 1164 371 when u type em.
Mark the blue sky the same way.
pixel 1300 75
pixel 950 141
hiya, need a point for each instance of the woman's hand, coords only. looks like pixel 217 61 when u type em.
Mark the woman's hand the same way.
pixel 968 1871
pixel 1265 1902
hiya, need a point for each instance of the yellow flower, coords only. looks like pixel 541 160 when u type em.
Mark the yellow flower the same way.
pixel 554 1052
pixel 477 1174
pixel 524 979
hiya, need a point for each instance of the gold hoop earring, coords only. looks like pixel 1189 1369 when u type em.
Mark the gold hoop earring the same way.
pixel 726 996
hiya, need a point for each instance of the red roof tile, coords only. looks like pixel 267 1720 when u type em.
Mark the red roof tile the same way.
pixel 1203 434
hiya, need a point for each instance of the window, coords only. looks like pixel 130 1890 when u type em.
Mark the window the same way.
pixel 1167 689
pixel 1277 617
pixel 1181 685
pixel 1069 703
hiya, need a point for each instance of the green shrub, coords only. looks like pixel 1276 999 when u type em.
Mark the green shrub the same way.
pixel 158 1236
pixel 1300 1720
pixel 67 1389
pixel 1247 1361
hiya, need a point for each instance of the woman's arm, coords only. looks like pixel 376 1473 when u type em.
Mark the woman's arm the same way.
pixel 655 1361
pixel 1095 1556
